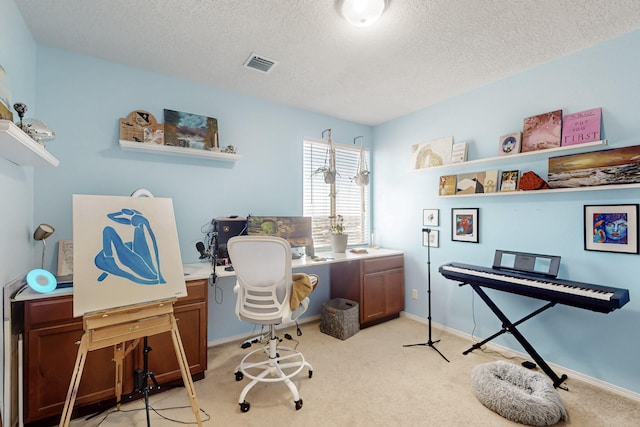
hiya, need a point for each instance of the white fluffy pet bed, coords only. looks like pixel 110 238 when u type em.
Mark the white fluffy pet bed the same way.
pixel 520 395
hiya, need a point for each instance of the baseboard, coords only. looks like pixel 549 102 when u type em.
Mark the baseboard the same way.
pixel 508 351
pixel 243 336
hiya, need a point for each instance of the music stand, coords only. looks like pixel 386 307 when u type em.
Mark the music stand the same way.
pixel 429 343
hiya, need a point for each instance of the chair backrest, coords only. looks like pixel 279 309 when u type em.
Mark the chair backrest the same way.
pixel 263 272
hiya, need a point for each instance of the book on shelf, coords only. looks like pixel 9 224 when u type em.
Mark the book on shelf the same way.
pixel 447 185
pixel 582 127
pixel 509 180
pixel 542 131
pixel 459 152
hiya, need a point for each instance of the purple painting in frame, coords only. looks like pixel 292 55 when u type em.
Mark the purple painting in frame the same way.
pixel 611 228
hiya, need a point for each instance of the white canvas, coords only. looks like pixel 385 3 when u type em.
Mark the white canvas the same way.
pixel 125 252
pixel 432 154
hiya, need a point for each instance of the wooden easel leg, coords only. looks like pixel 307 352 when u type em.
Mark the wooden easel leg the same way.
pixel 118 355
pixel 184 368
pixel 75 381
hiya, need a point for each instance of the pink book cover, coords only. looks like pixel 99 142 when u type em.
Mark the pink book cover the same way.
pixel 581 127
pixel 542 131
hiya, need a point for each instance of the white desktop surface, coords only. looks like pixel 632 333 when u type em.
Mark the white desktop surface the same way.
pixel 202 270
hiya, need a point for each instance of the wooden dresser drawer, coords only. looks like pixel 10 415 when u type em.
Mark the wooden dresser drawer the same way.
pixel 382 264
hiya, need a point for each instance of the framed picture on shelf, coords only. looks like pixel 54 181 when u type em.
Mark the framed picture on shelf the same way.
pixel 464 225
pixel 611 228
pixel 430 217
pixel 510 144
pixel 509 180
pixel 431 239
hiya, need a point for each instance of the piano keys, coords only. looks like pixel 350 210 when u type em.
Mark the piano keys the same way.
pixel 598 298
pixel 524 277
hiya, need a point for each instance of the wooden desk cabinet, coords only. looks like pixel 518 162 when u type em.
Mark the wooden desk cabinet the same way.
pixel 51 336
pixel 377 284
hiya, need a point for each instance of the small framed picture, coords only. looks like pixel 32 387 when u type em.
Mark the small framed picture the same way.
pixel 509 180
pixel 430 217
pixel 65 257
pixel 464 225
pixel 510 144
pixel 431 239
pixel 611 228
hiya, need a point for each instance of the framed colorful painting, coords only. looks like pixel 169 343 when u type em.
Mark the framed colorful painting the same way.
pixel 611 228
pixel 464 225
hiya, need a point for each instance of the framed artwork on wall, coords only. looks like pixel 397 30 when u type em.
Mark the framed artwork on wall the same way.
pixel 464 225
pixel 430 217
pixel 611 228
pixel 431 239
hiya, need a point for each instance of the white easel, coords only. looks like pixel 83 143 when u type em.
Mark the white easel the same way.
pixel 116 327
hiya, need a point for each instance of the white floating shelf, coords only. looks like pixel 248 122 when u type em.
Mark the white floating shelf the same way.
pixel 178 151
pixel 545 152
pixel 549 191
pixel 18 147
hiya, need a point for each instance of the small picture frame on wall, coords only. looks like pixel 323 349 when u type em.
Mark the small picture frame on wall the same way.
pixel 611 228
pixel 431 239
pixel 464 225
pixel 430 217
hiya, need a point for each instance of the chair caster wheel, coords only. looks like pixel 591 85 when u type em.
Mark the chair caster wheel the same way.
pixel 298 404
pixel 239 377
pixel 310 373
pixel 245 406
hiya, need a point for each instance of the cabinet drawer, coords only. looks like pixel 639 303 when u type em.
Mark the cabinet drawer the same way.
pixel 382 264
pixel 49 310
pixel 196 292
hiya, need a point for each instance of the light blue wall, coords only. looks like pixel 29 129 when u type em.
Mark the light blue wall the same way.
pixel 599 345
pixel 18 58
pixel 82 99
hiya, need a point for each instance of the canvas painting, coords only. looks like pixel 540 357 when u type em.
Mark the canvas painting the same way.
pixel 470 183
pixel 125 252
pixel 510 144
pixel 542 131
pixel 447 186
pixel 581 127
pixel 604 167
pixel 491 181
pixel 431 154
pixel 190 130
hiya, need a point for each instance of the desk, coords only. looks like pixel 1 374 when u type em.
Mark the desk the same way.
pixel 374 279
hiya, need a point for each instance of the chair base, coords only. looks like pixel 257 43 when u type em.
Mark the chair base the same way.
pixel 272 363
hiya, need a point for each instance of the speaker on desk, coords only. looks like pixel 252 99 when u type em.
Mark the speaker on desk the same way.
pixel 226 228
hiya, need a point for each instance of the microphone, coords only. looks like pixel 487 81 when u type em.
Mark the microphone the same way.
pixel 201 249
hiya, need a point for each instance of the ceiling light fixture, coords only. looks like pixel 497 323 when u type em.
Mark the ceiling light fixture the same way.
pixel 362 13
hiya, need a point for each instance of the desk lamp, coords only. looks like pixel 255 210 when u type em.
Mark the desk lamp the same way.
pixel 42 232
pixel 40 279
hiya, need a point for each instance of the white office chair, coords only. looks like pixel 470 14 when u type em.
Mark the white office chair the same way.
pixel 264 287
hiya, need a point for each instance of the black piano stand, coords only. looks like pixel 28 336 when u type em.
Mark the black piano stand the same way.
pixel 508 326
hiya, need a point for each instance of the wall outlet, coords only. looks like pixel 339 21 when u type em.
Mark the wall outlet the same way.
pixel 414 293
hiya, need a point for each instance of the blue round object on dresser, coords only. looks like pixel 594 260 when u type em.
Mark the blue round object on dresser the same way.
pixel 41 281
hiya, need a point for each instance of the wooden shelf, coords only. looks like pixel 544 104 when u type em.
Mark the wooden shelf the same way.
pixel 178 151
pixel 550 191
pixel 18 147
pixel 512 157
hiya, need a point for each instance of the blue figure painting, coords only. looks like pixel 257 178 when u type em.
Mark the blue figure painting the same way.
pixel 137 260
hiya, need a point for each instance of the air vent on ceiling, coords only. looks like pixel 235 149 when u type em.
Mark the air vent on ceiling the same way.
pixel 259 63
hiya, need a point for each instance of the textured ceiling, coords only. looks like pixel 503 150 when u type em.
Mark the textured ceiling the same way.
pixel 419 53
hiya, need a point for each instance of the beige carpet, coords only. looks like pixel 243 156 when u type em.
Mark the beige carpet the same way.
pixel 369 379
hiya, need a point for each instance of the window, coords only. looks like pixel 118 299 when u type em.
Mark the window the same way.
pixel 351 200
